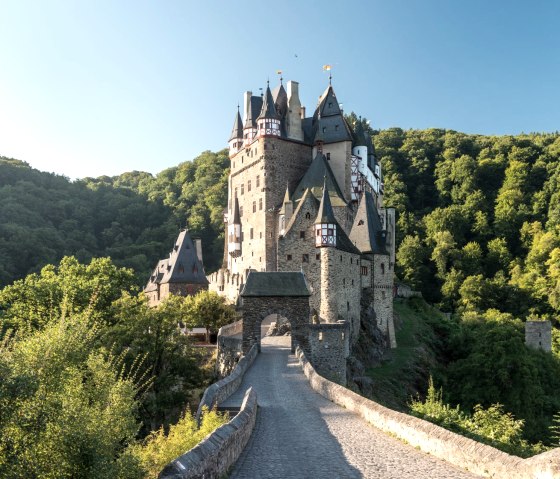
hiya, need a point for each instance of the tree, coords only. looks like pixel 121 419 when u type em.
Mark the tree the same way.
pixel 208 310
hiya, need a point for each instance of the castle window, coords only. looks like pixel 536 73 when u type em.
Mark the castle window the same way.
pixel 324 129
pixel 289 257
pixel 251 233
pixel 260 235
pixel 242 188
pixel 348 305
pixel 352 282
pixel 328 157
pixel 302 234
pixel 341 258
pixel 254 206
pixel 360 223
pixel 308 215
pixel 351 260
pixel 234 164
pixel 318 256
pixel 330 104
pixel 321 336
pixel 383 294
pixel 249 185
pixel 260 203
pixel 382 268
pixel 364 270
pixel 305 258
pixel 258 181
pixel 241 211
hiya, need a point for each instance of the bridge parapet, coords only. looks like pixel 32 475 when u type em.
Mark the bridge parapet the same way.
pixel 449 446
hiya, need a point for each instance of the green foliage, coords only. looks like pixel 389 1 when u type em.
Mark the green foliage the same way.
pixel 159 449
pixel 67 411
pixel 492 426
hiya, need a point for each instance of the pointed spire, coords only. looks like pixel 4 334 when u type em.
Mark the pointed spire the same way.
pixel 287 195
pixel 237 131
pixel 268 109
pixel 325 213
pixel 236 219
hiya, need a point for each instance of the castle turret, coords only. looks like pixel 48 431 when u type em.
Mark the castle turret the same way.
pixel 236 138
pixel 325 224
pixel 268 123
pixel 325 238
pixel 234 231
pixel 293 117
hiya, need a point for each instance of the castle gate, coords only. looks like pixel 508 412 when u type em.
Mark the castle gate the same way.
pixel 268 293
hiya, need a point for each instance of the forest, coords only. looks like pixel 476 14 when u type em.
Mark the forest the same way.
pixel 478 234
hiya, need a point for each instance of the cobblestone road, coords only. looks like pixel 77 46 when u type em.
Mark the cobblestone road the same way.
pixel 300 434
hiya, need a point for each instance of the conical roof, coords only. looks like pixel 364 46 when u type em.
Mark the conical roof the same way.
pixel 325 213
pixel 183 264
pixel 237 130
pixel 236 217
pixel 268 109
pixel 367 232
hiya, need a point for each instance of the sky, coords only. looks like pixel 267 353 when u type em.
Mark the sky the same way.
pixel 100 88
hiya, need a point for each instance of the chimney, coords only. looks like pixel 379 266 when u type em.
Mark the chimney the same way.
pixel 198 246
pixel 293 126
pixel 247 105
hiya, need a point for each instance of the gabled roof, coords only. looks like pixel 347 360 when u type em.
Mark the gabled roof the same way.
pixel 314 179
pixel 268 109
pixel 183 264
pixel 286 200
pixel 156 276
pixel 237 130
pixel 367 232
pixel 325 213
pixel 328 104
pixel 275 284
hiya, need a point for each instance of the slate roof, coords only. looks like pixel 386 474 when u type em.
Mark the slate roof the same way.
pixel 236 217
pixel 367 232
pixel 275 283
pixel 237 130
pixel 328 119
pixel 314 179
pixel 156 276
pixel 183 265
pixel 280 100
pixel 325 213
pixel 268 109
pixel 255 107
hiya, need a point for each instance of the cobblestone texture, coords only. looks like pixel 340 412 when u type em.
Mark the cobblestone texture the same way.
pixel 300 434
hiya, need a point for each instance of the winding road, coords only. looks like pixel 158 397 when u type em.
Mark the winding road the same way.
pixel 300 434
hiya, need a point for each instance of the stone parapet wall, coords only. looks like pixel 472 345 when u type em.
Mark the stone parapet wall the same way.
pixel 218 451
pixel 231 329
pixel 224 388
pixel 430 438
pixel 230 350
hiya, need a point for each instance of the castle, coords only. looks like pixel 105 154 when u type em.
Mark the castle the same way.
pixel 305 194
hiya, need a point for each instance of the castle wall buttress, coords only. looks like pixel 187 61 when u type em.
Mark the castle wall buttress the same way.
pixel 382 278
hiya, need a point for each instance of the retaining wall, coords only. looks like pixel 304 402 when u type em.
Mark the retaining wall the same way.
pixel 458 450
pixel 224 388
pixel 216 453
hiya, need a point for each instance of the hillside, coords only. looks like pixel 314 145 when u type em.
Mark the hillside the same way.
pixel 133 218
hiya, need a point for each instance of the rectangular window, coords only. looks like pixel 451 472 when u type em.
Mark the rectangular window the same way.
pixel 382 268
pixel 258 181
pixel 328 157
pixel 260 204
pixel 302 234
pixel 318 256
pixel 242 188
pixel 305 258
pixel 241 211
pixel 364 270
pixel 248 185
pixel 289 257
pixel 251 233
pixel 254 206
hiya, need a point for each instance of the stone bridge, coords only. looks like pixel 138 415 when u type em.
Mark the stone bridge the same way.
pixel 300 434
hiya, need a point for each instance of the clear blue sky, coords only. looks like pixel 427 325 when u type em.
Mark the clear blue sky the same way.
pixel 103 87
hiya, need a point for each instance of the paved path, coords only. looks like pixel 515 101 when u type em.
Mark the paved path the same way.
pixel 300 434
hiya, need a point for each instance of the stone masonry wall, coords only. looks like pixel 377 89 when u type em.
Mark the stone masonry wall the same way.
pixel 216 453
pixel 383 295
pixel 302 251
pixel 328 349
pixel 296 309
pixel 458 450
pixel 538 335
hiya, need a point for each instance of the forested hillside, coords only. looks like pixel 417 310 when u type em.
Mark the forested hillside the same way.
pixel 133 218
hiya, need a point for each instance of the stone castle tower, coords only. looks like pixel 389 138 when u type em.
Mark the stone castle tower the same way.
pixel 305 193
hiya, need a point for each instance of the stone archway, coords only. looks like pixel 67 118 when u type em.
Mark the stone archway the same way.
pixel 281 293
